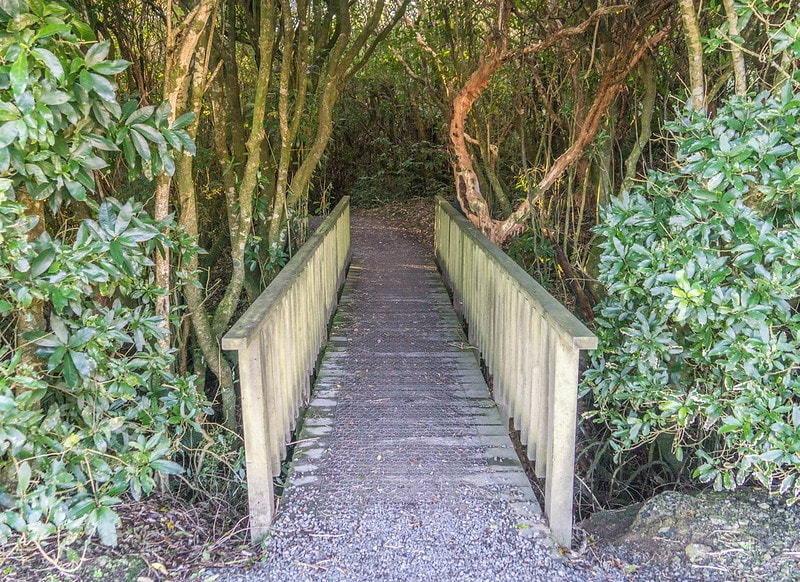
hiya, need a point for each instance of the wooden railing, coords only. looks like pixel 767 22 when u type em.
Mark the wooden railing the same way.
pixel 531 346
pixel 278 341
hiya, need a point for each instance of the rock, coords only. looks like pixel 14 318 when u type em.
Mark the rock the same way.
pixel 733 533
pixel 696 552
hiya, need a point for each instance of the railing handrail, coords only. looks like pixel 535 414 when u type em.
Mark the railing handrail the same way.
pixel 531 346
pixel 278 342
pixel 256 316
pixel 569 327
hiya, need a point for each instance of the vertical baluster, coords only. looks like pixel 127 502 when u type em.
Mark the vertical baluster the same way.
pixel 515 330
pixel 270 350
pixel 284 374
pixel 541 414
pixel 497 367
pixel 528 341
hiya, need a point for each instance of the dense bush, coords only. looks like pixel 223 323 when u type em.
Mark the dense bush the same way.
pixel 95 412
pixel 700 332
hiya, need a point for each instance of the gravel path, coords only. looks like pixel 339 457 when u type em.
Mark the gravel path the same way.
pixel 404 469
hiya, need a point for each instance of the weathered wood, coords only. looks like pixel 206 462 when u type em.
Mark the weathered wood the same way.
pixel 278 341
pixel 531 345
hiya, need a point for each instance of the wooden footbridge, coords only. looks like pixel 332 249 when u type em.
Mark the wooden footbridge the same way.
pixel 403 466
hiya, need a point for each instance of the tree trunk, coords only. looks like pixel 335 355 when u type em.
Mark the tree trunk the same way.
pixel 468 191
pixel 180 50
pixel 691 32
pixel 32 319
pixel 648 76
pixel 739 73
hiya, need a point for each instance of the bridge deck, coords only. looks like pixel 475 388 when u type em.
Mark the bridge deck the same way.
pixel 403 468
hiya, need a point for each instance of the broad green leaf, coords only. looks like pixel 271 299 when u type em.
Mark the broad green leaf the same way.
pixel 18 75
pixel 102 143
pixel 23 477
pixel 123 219
pixel 52 29
pixel 69 371
pixel 93 163
pixel 50 61
pixel 82 362
pixel 42 261
pixel 54 98
pixel 183 121
pixel 118 254
pixel 84 31
pixel 150 133
pixel 129 153
pixel 140 115
pixel 11 7
pixel 107 522
pixel 59 329
pixel 8 111
pixel 104 88
pixel 8 133
pixel 97 53
pixel 167 467
pixel 140 144
pixel 110 68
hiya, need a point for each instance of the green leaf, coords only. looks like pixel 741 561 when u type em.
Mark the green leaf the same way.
pixel 140 115
pixel 52 29
pixel 183 121
pixel 50 61
pixel 107 522
pixel 771 456
pixel 123 219
pixel 140 144
pixel 8 133
pixel 150 133
pixel 69 371
pixel 42 261
pixel 129 153
pixel 104 88
pixel 81 507
pixel 97 53
pixel 110 68
pixel 102 143
pixel 168 163
pixel 11 7
pixel 23 478
pixel 167 467
pixel 8 111
pixel 93 163
pixel 54 98
pixel 83 363
pixel 117 253
pixel 18 75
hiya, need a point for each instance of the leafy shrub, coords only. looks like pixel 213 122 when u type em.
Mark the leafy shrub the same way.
pixel 97 413
pixel 700 332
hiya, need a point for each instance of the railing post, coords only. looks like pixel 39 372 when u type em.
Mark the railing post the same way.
pixel 563 401
pixel 256 440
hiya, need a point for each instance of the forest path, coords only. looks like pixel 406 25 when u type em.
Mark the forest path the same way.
pixel 404 469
